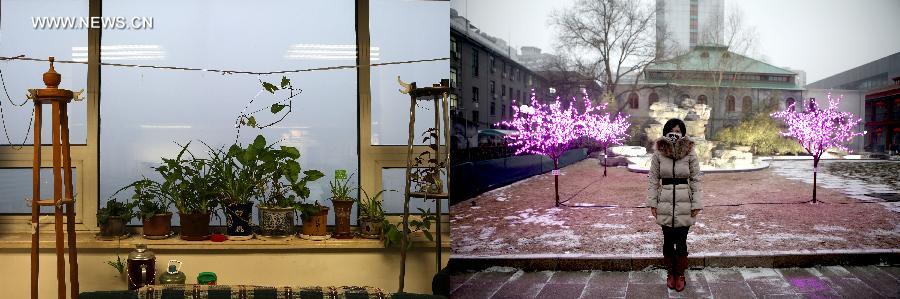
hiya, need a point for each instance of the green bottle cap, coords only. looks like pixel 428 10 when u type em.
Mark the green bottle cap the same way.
pixel 208 278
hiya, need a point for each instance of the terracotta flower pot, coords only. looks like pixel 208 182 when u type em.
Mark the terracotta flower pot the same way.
pixel 316 224
pixel 342 210
pixel 276 222
pixel 113 227
pixel 194 227
pixel 158 226
pixel 371 228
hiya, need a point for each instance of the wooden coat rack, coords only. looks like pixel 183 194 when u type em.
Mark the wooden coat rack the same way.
pixel 62 182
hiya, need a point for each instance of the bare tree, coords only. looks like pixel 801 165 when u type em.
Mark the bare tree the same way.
pixel 607 40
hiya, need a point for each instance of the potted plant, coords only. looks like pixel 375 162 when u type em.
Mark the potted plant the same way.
pixel 427 169
pixel 343 204
pixel 188 184
pixel 371 215
pixel 236 176
pixel 281 188
pixel 114 217
pixel 153 210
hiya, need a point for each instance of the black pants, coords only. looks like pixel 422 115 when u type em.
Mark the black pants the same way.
pixel 675 240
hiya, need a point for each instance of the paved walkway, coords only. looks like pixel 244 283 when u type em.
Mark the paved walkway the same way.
pixel 819 282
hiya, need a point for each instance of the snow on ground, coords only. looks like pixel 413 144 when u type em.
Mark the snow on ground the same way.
pixel 526 222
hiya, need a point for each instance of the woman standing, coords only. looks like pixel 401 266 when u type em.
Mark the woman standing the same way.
pixel 674 196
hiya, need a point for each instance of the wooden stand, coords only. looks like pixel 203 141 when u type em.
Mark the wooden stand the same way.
pixel 62 183
pixel 439 93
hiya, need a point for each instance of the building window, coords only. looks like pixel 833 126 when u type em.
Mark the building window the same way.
pixel 493 111
pixel 510 92
pixel 502 90
pixel 518 95
pixel 633 100
pixel 503 112
pixel 454 48
pixel 746 104
pixel 474 62
pixel 504 70
pixel 475 116
pixel 474 94
pixel 729 103
pixel 701 99
pixel 654 97
pixel 493 89
pixel 454 101
pixel 453 77
pixel 789 102
pixel 493 64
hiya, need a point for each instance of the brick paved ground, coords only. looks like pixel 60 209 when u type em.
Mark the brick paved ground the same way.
pixel 818 282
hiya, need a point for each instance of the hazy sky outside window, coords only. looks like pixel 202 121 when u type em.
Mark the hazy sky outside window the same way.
pixel 822 38
pixel 146 112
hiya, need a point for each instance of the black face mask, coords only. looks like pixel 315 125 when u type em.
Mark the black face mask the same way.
pixel 673 136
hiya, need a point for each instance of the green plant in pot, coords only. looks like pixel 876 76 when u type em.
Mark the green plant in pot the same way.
pixel 189 185
pixel 153 209
pixel 114 217
pixel 282 187
pixel 237 175
pixel 371 214
pixel 343 203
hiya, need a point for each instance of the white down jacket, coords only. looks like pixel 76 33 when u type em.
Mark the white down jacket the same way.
pixel 674 203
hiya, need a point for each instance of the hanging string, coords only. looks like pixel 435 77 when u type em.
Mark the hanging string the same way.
pixel 17 146
pixel 228 72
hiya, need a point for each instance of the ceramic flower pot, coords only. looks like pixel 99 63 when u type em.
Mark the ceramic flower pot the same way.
pixel 113 227
pixel 158 226
pixel 316 224
pixel 370 228
pixel 276 222
pixel 194 227
pixel 239 224
pixel 342 210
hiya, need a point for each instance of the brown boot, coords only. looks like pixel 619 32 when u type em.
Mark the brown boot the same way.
pixel 669 261
pixel 681 264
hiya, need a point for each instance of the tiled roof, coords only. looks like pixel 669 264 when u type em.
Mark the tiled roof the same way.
pixel 717 58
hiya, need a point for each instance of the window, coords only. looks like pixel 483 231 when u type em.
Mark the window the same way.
pixel 633 99
pixel 454 101
pixel 493 89
pixel 475 62
pixel 518 95
pixel 503 112
pixel 701 99
pixel 654 97
pixel 474 94
pixel 493 111
pixel 454 50
pixel 729 103
pixel 493 64
pixel 453 77
pixel 475 116
pixel 502 90
pixel 510 92
pixel 746 104
pixel 789 102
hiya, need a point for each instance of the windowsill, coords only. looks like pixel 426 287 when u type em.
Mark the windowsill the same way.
pixel 87 240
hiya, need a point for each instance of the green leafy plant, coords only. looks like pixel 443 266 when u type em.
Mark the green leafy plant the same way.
pixel 188 183
pixel 147 198
pixel 340 186
pixel 393 231
pixel 118 264
pixel 283 182
pixel 428 167
pixel 760 132
pixel 237 174
pixel 370 207
pixel 114 208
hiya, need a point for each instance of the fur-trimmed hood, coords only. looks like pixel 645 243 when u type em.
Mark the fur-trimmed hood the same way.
pixel 682 147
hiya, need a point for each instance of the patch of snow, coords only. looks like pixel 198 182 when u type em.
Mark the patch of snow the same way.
pixel 608 226
pixel 759 273
pixel 510 217
pixel 501 198
pixel 737 216
pixel 705 237
pixel 462 227
pixel 479 219
pixel 487 232
pixel 631 237
pixel 797 237
pixel 565 238
pixel 614 214
pixel 700 224
pixel 500 269
pixel 475 207
pixel 830 228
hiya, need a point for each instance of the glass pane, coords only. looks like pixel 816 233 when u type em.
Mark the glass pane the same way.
pixel 406 30
pixel 146 112
pixel 20 36
pixel 394 180
pixel 16 186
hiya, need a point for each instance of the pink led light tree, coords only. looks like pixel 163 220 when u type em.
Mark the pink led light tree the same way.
pixel 547 130
pixel 607 131
pixel 818 130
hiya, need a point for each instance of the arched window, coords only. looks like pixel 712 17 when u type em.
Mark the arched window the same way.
pixel 729 103
pixel 654 97
pixel 633 99
pixel 683 96
pixel 701 99
pixel 746 104
pixel 789 102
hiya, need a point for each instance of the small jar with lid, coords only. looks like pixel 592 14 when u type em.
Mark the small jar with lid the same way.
pixel 173 274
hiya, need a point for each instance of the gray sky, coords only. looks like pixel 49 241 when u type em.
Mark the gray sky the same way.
pixel 821 37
